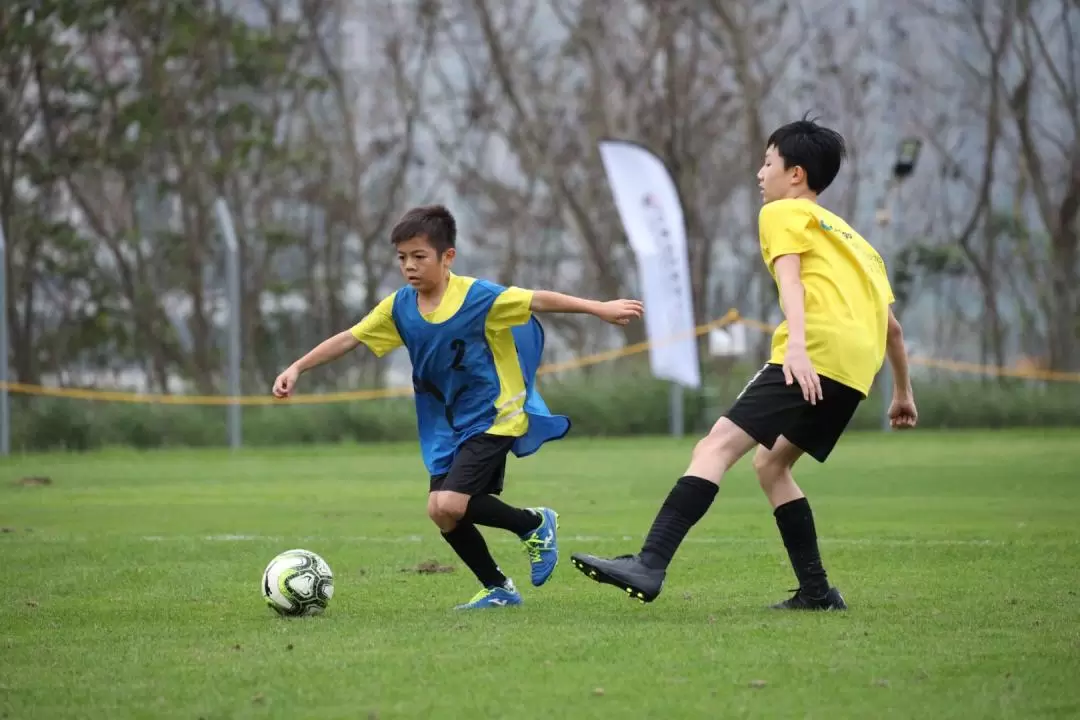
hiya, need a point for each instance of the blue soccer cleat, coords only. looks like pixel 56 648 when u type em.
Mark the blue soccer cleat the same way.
pixel 492 597
pixel 542 545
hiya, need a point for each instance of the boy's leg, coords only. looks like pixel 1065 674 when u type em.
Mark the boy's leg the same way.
pixel 470 488
pixel 490 511
pixel 642 575
pixel 466 540
pixel 816 434
pixel 760 413
pixel 469 494
pixel 795 521
pixel 468 543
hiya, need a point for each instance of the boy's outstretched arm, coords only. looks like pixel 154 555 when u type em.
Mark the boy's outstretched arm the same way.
pixel 376 330
pixel 616 312
pixel 902 412
pixel 330 349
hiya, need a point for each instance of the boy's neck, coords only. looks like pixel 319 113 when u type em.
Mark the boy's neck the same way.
pixel 803 194
pixel 435 295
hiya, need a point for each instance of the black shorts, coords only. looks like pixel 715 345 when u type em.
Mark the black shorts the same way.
pixel 768 408
pixel 479 468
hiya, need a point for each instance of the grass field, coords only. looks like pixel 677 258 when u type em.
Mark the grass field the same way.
pixel 132 588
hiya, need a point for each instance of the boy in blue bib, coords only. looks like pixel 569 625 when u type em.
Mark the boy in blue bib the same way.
pixel 475 348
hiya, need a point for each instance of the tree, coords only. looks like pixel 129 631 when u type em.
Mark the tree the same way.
pixel 534 91
pixel 125 123
pixel 1014 79
pixel 1044 104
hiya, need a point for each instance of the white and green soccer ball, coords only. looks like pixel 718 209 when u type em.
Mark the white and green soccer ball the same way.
pixel 298 582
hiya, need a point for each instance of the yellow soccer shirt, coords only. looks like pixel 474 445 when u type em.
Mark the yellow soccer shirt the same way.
pixel 847 291
pixel 511 307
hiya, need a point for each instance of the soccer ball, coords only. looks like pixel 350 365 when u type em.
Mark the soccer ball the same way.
pixel 298 582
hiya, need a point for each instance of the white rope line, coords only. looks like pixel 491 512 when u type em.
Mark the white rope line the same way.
pixel 433 538
pixel 496 536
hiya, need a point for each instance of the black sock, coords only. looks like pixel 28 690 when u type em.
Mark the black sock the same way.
pixel 490 511
pixel 796 524
pixel 687 503
pixel 469 545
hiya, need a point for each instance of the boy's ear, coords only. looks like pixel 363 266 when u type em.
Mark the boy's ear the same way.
pixel 449 255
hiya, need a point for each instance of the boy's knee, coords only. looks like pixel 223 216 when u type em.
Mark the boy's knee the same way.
pixel 765 463
pixel 726 443
pixel 774 466
pixel 444 521
pixel 447 508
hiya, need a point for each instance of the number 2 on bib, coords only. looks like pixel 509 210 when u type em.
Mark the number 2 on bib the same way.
pixel 458 346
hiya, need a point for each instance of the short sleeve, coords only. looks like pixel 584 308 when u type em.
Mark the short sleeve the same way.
pixel 377 330
pixel 513 306
pixel 782 230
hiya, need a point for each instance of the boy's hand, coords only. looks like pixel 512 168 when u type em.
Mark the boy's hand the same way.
pixel 902 412
pixel 798 368
pixel 620 312
pixel 285 382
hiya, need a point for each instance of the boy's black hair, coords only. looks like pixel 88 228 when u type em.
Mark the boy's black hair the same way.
pixel 434 222
pixel 818 150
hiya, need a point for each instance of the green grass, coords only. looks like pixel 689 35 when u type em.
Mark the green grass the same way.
pixel 132 588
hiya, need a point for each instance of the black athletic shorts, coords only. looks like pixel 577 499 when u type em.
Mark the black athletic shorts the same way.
pixel 768 408
pixel 479 468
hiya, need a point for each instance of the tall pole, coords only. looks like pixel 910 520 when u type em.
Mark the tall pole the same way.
pixel 677 411
pixel 5 411
pixel 232 280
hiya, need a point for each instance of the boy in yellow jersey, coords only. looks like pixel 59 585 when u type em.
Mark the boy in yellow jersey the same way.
pixel 475 348
pixel 838 328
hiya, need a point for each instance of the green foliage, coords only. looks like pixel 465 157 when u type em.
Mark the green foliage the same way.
pixel 987 403
pixel 184 105
pixel 604 405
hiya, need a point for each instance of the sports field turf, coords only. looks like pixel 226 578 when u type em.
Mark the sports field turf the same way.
pixel 132 588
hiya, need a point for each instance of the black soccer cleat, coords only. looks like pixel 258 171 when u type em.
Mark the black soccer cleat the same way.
pixel 625 571
pixel 832 600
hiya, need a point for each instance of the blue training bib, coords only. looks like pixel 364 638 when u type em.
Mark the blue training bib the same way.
pixel 455 381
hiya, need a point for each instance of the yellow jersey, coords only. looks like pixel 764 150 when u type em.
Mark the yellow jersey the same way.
pixel 847 291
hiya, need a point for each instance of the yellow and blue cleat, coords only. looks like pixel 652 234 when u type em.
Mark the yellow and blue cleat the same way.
pixel 492 597
pixel 542 545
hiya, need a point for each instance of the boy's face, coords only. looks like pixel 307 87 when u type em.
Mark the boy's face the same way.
pixel 421 265
pixel 775 182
